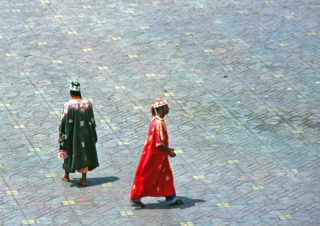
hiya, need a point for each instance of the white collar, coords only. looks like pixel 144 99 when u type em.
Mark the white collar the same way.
pixel 159 118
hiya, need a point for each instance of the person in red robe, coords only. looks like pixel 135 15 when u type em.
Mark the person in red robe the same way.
pixel 154 175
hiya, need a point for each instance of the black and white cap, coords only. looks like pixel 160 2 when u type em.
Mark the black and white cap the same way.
pixel 75 86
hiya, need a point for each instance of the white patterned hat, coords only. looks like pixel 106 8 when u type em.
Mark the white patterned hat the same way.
pixel 75 86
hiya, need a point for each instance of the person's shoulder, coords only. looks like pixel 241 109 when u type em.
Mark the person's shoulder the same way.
pixel 156 120
pixel 86 101
pixel 66 104
pixel 71 104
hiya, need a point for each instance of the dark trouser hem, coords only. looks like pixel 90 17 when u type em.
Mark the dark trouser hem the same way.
pixel 170 197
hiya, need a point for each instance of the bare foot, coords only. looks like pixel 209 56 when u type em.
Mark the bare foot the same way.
pixel 82 183
pixel 177 202
pixel 137 203
pixel 65 178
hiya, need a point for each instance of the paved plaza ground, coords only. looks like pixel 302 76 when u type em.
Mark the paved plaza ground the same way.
pixel 242 79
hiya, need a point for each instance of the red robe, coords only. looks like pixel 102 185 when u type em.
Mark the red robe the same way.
pixel 154 176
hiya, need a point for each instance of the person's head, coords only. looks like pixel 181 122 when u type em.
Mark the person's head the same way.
pixel 75 89
pixel 160 108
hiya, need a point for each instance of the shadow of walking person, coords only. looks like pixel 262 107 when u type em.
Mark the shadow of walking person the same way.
pixel 187 203
pixel 94 181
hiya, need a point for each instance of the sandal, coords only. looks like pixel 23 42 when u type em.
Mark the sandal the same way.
pixel 137 203
pixel 177 202
pixel 79 182
pixel 64 179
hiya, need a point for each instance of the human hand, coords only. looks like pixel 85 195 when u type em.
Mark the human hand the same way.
pixel 171 153
pixel 62 154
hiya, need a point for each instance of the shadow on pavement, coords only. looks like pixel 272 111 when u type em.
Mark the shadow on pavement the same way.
pixel 94 181
pixel 187 203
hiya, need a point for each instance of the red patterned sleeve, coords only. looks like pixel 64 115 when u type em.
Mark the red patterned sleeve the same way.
pixel 159 133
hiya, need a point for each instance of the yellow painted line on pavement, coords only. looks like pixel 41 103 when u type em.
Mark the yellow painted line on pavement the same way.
pixel 289 17
pixel 34 149
pixel 120 87
pixel 292 171
pixel 200 6
pixel 201 177
pixel 126 213
pixel 28 222
pixel 102 68
pixel 278 75
pixel 257 188
pixel 120 143
pixel 285 217
pixel 179 152
pixel 162 44
pixel 138 107
pixel 131 56
pixel 101 21
pixel 19 127
pixel 50 175
pixel 243 12
pixel 12 192
pixel 269 2
pixel 42 43
pixel 69 202
pixel 168 94
pixel 105 120
pixel 29 26
pixel 128 11
pixel 188 223
pixel 54 112
pixel 217 22
pixel 108 184
pixel 116 38
pixel 11 54
pixel 190 116
pixel 223 205
pixel 210 137
pixel 24 73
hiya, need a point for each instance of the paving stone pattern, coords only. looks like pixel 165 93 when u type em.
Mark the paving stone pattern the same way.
pixel 243 85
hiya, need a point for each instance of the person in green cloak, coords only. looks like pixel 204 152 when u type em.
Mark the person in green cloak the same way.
pixel 77 136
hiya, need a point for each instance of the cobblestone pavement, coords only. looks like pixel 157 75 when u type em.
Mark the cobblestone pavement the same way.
pixel 243 83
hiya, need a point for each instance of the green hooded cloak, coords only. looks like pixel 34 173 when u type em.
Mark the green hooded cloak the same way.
pixel 78 133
